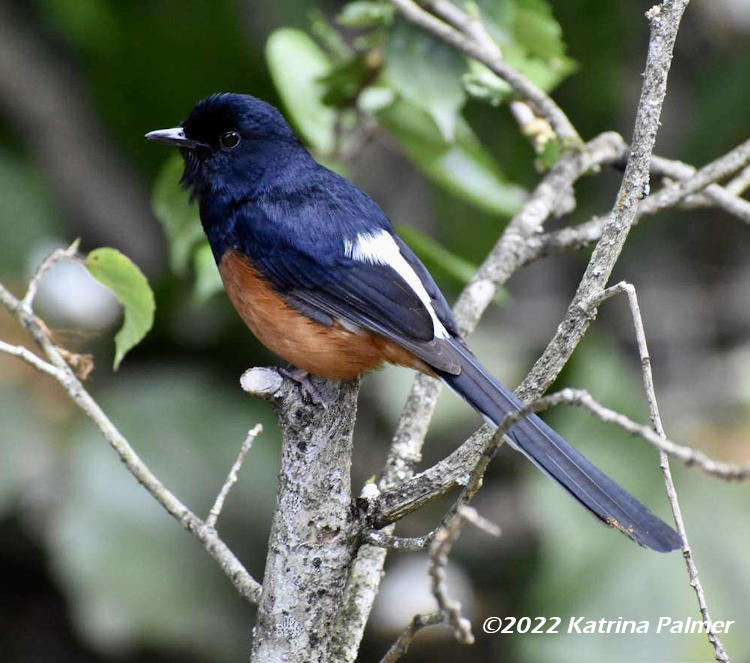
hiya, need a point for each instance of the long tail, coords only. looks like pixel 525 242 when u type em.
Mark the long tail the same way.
pixel 548 451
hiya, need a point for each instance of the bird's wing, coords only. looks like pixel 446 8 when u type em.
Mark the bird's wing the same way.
pixel 373 282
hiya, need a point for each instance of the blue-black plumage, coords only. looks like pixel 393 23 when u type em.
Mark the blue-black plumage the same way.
pixel 561 461
pixel 314 268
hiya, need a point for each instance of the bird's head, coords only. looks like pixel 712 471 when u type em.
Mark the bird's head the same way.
pixel 228 141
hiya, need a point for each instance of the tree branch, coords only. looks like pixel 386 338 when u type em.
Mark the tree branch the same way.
pixel 648 385
pixel 48 263
pixel 215 511
pixel 714 171
pixel 491 58
pixel 740 183
pixel 30 358
pixel 538 129
pixel 313 538
pixel 58 368
pixel 399 543
pixel 693 182
pixel 439 551
pixel 665 21
pixel 401 646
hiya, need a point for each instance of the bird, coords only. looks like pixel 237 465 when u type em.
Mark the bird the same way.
pixel 314 268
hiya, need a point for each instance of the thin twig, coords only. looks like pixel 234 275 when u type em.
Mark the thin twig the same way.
pixel 687 455
pixel 713 195
pixel 48 263
pixel 417 623
pixel 30 358
pixel 245 584
pixel 542 103
pixel 740 183
pixel 653 406
pixel 531 125
pixel 456 469
pixel 399 543
pixel 471 515
pixel 692 181
pixel 215 511
pixel 439 551
pixel 714 171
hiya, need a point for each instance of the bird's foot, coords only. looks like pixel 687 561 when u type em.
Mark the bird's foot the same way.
pixel 302 378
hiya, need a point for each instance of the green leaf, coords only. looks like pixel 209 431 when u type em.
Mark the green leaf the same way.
pixel 374 99
pixel 297 64
pixel 207 279
pixel 462 167
pixel 129 285
pixel 365 14
pixel 536 29
pixel 426 72
pixel 481 83
pixel 529 37
pixel 544 74
pixel 328 36
pixel 437 257
pixel 345 80
pixel 178 217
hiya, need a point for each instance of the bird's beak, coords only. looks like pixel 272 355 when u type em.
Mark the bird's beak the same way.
pixel 175 136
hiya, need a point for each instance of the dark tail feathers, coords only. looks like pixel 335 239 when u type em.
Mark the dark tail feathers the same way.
pixel 546 449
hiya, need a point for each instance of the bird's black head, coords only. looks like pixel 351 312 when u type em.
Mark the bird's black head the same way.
pixel 230 141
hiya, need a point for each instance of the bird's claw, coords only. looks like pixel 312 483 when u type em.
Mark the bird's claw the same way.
pixel 302 378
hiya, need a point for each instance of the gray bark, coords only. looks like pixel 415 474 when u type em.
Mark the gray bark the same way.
pixel 314 536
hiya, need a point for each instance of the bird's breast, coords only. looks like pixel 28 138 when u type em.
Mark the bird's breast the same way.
pixel 331 351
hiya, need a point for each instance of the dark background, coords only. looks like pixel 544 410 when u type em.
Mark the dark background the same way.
pixel 92 570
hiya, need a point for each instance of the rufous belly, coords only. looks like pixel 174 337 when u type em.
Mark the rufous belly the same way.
pixel 328 351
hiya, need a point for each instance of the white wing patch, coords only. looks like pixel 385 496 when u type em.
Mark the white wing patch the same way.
pixel 381 249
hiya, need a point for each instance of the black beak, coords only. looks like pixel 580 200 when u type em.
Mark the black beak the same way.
pixel 175 136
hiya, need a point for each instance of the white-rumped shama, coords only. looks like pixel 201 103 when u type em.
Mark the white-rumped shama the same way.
pixel 316 271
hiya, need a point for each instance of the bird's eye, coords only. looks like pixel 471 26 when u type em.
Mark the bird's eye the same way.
pixel 230 139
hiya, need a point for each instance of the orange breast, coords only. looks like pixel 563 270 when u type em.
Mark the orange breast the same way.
pixel 332 352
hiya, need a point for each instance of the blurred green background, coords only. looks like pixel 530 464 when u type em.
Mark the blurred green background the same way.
pixel 92 570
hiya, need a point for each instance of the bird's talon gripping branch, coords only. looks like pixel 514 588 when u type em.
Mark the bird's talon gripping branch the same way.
pixel 302 378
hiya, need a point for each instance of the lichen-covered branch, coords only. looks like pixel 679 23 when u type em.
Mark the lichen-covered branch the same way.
pixel 691 182
pixel 313 537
